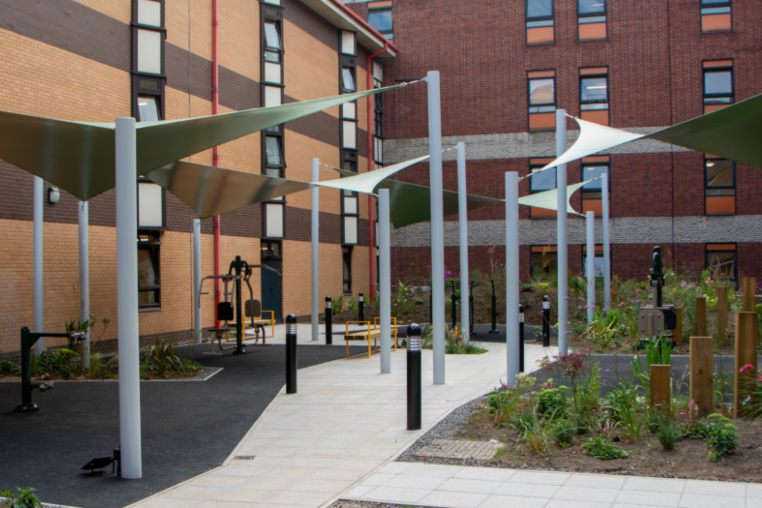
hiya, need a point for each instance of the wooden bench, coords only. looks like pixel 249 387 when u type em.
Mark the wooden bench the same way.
pixel 371 333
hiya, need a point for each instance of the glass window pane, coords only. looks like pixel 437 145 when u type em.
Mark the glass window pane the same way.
pixel 147 269
pixel 150 205
pixel 149 13
pixel 272 56
pixel 149 51
pixel 349 134
pixel 272 72
pixel 350 204
pixel 347 42
pixel 719 173
pixel 380 19
pixel 274 226
pixel 347 79
pixel 718 82
pixel 272 37
pixel 591 6
pixel 539 9
pixel 541 91
pixel 272 148
pixel 715 2
pixel 148 109
pixel 543 263
pixel 722 264
pixel 594 89
pixel 545 180
pixel 272 96
pixel 349 110
pixel 350 230
pixel 589 172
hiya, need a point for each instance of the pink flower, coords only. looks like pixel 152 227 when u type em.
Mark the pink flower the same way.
pixel 746 368
pixel 759 379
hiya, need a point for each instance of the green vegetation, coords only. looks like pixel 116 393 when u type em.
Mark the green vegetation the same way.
pixel 160 360
pixel 722 437
pixel 601 448
pixel 24 497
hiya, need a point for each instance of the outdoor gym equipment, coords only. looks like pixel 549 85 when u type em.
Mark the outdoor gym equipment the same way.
pixel 656 318
pixel 28 339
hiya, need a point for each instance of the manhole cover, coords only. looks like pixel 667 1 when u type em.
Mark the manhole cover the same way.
pixel 459 449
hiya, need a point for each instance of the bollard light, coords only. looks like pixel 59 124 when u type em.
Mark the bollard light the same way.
pixel 291 360
pixel 361 307
pixel 545 321
pixel 328 320
pixel 521 338
pixel 413 377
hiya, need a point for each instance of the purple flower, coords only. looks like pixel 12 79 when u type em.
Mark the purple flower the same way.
pixel 448 274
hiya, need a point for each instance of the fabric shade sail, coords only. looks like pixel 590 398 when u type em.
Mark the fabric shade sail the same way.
pixel 79 156
pixel 211 191
pixel 368 181
pixel 549 199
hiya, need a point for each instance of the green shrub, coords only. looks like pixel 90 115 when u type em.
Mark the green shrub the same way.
pixel 668 434
pixel 62 362
pixel 586 400
pixel 601 448
pixel 463 349
pixel 502 404
pixel 607 330
pixel 563 431
pixel 161 360
pixel 8 368
pixel 699 429
pixel 622 408
pixel 552 403
pixel 26 498
pixel 723 437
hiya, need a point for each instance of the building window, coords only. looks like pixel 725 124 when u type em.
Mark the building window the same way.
pixel 151 211
pixel 594 167
pixel 718 84
pixel 539 21
pixel 541 86
pixel 148 35
pixel 594 95
pixel 378 116
pixel 720 260
pixel 543 260
pixel 381 19
pixel 719 186
pixel 149 288
pixel 591 19
pixel 348 43
pixel 542 181
pixel 348 80
pixel 346 269
pixel 599 267
pixel 716 15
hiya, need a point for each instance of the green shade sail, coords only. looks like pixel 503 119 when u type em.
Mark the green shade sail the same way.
pixel 79 156
pixel 211 191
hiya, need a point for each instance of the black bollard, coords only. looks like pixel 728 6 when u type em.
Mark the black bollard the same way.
pixel 361 307
pixel 545 321
pixel 521 338
pixel 27 341
pixel 453 306
pixel 493 311
pixel 290 353
pixel 328 321
pixel 413 377
pixel 471 313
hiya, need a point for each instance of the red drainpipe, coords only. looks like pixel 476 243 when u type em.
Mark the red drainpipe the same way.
pixel 370 154
pixel 215 156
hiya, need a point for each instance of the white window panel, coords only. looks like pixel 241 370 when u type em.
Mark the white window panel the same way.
pixel 150 205
pixel 272 72
pixel 149 51
pixel 349 131
pixel 378 149
pixel 273 2
pixel 350 204
pixel 274 226
pixel 350 230
pixel 149 13
pixel 348 79
pixel 148 109
pixel 349 110
pixel 272 37
pixel 272 96
pixel 348 43
pixel 378 71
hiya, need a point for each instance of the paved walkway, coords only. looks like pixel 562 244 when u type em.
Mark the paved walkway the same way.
pixel 346 421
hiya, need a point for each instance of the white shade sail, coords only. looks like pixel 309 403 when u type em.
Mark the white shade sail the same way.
pixel 367 182
pixel 548 199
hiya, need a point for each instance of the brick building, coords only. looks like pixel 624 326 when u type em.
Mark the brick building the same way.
pixel 96 60
pixel 506 66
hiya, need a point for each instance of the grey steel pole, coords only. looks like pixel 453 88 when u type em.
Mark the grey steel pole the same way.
pixel 437 227
pixel 512 275
pixel 562 237
pixel 590 264
pixel 465 327
pixel 127 299
pixel 606 244
pixel 315 239
pixel 385 284
pixel 197 280
pixel 84 277
pixel 39 254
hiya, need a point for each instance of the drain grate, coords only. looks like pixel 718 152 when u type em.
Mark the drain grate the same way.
pixel 244 457
pixel 460 449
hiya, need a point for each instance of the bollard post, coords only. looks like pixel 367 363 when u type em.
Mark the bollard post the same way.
pixel 361 307
pixel 748 285
pixel 493 311
pixel 701 380
pixel 471 312
pixel 660 387
pixel 521 338
pixel 328 321
pixel 27 406
pixel 290 353
pixel 746 350
pixel 413 377
pixel 453 306
pixel 546 321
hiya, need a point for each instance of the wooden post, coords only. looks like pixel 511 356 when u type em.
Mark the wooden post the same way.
pixel 660 387
pixel 749 287
pixel 701 390
pixel 746 353
pixel 678 332
pixel 615 291
pixel 722 316
pixel 700 317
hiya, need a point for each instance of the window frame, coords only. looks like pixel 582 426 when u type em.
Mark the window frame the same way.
pixel 707 187
pixel 550 17
pixel 552 250
pixel 389 34
pixel 704 10
pixel 708 251
pixel 553 105
pixel 532 169
pixel 137 88
pixel 346 269
pixel 583 103
pixel 153 246
pixel 706 97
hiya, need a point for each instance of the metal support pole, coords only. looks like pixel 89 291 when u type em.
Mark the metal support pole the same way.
pixel 84 278
pixel 385 278
pixel 465 302
pixel 590 265
pixel 328 321
pixel 127 299
pixel 39 254
pixel 291 360
pixel 521 338
pixel 512 275
pixel 606 243
pixel 413 377
pixel 237 268
pixel 493 309
pixel 315 240
pixel 545 321
pixel 561 236
pixel 361 307
pixel 437 226
pixel 197 280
